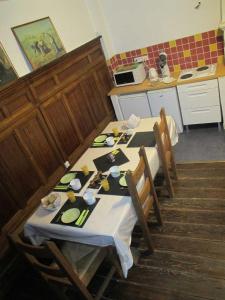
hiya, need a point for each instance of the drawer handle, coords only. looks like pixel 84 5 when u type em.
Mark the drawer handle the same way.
pixel 198 94
pixel 200 111
pixel 196 86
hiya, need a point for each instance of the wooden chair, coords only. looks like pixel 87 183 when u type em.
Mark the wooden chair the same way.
pixel 144 198
pixel 165 150
pixel 56 269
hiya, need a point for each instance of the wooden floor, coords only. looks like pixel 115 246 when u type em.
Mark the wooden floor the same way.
pixel 189 258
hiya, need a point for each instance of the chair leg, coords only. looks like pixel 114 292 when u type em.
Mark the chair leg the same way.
pixel 114 261
pixel 147 236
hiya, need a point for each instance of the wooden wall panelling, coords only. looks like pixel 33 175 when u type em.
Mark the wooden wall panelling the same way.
pixel 104 83
pixel 97 105
pixel 81 113
pixel 17 173
pixel 61 126
pixel 38 143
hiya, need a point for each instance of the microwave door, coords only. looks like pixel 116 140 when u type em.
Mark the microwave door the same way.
pixel 124 78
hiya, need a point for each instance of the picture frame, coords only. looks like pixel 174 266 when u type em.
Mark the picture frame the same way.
pixel 39 41
pixel 7 71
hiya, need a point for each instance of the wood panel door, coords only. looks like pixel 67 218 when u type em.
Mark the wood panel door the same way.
pixel 17 173
pixel 77 103
pixel 94 97
pixel 40 147
pixel 62 126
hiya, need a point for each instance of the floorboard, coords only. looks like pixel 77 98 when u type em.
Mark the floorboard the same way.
pixel 189 258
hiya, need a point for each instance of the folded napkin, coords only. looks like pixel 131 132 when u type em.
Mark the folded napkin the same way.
pixel 133 121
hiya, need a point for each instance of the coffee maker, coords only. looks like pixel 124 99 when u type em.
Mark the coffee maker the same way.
pixel 163 64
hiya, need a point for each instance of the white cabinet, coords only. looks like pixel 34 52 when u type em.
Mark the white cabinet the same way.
pixel 168 99
pixel 134 104
pixel 200 102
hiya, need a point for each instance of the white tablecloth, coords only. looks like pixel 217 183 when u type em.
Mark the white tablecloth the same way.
pixel 113 219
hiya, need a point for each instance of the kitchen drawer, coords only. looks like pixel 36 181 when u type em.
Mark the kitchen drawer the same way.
pixel 197 98
pixel 198 86
pixel 201 115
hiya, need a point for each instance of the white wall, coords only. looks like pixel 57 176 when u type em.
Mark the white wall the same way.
pixel 135 24
pixel 70 17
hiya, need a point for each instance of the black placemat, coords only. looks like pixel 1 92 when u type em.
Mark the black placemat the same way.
pixel 96 183
pixel 146 139
pixel 81 205
pixel 125 138
pixel 115 187
pixel 65 187
pixel 103 144
pixel 103 163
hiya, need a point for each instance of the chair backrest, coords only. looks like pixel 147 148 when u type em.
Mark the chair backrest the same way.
pixel 164 145
pixel 50 263
pixel 143 197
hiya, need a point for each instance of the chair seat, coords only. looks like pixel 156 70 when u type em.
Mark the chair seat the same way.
pixel 85 259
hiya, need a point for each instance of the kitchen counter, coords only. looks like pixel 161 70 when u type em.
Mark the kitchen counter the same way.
pixel 148 86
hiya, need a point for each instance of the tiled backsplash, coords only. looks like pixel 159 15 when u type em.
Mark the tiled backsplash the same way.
pixel 184 53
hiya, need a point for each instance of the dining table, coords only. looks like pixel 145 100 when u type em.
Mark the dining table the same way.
pixel 113 218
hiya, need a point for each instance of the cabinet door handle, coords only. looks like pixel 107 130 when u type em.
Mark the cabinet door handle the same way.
pixel 198 94
pixel 200 111
pixel 196 86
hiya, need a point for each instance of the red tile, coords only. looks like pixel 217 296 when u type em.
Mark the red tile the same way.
pixel 213 54
pixel 205 35
pixel 124 61
pixel 133 53
pixel 166 45
pixel 206 48
pixel 128 54
pixel 155 48
pixel 185 40
pixel 192 45
pixel 186 46
pixel 182 60
pixel 220 52
pixel 208 61
pixel 199 44
pixel 180 54
pixel 179 42
pixel 199 50
pixel 220 45
pixel 187 59
pixel 194 64
pixel 207 55
pixel 171 68
pixel 138 51
pixel 212 33
pixel 119 62
pixel 117 56
pixel 150 49
pixel 212 40
pixel 179 48
pixel 175 61
pixel 175 55
pixel 206 42
pixel 129 60
pixel 193 51
pixel 214 60
pixel 219 38
pixel 194 58
pixel 189 65
pixel 191 39
pixel 183 66
pixel 174 49
pixel 200 56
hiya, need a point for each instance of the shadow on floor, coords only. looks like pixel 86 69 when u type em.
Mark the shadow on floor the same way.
pixel 201 143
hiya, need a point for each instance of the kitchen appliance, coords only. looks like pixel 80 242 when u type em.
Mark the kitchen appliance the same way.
pixel 163 64
pixel 207 70
pixel 129 74
pixel 153 75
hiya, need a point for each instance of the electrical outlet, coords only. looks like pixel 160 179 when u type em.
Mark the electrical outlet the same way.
pixel 141 58
pixel 67 164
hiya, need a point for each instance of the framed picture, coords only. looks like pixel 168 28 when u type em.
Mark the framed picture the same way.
pixel 7 72
pixel 39 41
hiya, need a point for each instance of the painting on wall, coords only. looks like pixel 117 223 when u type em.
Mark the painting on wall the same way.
pixel 39 41
pixel 7 72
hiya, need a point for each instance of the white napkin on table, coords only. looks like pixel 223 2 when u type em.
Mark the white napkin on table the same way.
pixel 133 121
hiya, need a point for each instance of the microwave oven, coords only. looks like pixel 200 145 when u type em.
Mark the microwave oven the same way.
pixel 129 74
